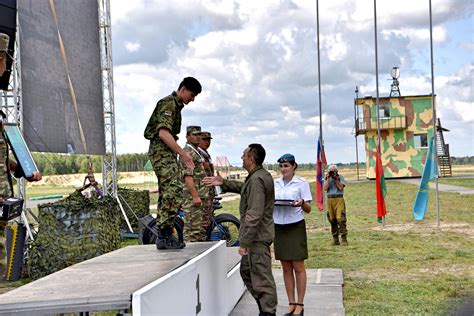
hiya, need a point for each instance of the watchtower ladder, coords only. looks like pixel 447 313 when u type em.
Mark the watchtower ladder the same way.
pixel 442 150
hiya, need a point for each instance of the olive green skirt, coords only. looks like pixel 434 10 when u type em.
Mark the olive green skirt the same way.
pixel 291 241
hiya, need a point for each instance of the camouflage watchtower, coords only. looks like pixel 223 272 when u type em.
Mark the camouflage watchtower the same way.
pixel 406 125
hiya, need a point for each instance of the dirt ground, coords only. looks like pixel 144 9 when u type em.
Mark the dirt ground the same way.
pixel 461 228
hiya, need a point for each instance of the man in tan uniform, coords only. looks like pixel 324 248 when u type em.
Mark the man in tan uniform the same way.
pixel 257 200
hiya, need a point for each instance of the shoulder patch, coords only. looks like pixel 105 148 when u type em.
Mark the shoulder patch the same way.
pixel 167 113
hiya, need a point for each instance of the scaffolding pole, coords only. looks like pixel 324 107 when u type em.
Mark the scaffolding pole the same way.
pixel 109 160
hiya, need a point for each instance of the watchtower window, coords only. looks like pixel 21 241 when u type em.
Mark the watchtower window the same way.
pixel 421 140
pixel 384 110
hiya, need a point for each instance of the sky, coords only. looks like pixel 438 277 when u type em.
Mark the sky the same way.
pixel 257 63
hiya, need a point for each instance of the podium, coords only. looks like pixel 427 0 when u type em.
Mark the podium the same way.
pixel 202 276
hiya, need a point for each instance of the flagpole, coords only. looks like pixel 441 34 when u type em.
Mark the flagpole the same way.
pixel 434 112
pixel 320 107
pixel 356 128
pixel 377 86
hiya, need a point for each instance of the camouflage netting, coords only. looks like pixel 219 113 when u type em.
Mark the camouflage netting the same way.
pixel 73 230
pixel 139 201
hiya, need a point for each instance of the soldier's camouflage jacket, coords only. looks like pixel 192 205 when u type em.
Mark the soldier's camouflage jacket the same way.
pixel 198 173
pixel 5 187
pixel 167 114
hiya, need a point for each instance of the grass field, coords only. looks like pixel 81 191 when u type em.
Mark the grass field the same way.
pixel 403 267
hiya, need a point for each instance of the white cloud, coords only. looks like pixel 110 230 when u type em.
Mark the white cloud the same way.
pixel 465 111
pixel 291 115
pixel 419 36
pixel 336 47
pixel 132 46
pixel 257 63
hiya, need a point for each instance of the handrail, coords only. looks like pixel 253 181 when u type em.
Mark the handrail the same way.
pixel 370 123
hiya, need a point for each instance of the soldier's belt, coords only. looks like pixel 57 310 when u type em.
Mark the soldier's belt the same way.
pixel 335 196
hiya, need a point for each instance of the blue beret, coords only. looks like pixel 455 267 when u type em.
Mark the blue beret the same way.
pixel 286 158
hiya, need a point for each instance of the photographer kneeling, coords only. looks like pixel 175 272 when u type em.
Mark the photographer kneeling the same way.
pixel 334 186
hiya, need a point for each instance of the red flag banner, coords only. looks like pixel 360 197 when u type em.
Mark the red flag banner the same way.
pixel 380 188
pixel 321 160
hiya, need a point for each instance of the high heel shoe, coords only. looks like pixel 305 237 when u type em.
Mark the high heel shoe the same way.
pixel 302 310
pixel 291 313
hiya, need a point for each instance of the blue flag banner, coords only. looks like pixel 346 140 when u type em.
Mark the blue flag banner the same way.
pixel 430 171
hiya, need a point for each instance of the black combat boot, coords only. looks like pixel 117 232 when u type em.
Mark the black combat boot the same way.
pixel 166 240
pixel 344 240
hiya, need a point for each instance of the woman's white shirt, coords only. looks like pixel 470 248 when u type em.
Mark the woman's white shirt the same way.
pixel 297 188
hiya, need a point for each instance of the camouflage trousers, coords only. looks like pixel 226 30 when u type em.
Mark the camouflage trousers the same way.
pixel 3 254
pixel 193 222
pixel 256 272
pixel 206 214
pixel 337 216
pixel 170 187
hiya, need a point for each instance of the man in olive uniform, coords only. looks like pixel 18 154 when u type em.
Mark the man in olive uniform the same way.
pixel 195 193
pixel 209 168
pixel 162 130
pixel 257 200
pixel 6 165
pixel 334 186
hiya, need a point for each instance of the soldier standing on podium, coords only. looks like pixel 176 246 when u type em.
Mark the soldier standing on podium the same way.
pixel 162 130
pixel 6 165
pixel 195 192
pixel 209 168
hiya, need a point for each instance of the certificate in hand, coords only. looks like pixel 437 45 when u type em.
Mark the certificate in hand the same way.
pixel 283 202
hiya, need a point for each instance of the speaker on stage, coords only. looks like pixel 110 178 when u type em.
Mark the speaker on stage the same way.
pixel 16 238
pixel 8 26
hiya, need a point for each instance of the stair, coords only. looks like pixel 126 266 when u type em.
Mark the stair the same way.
pixel 442 151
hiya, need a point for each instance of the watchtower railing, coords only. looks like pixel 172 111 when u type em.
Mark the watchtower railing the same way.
pixel 369 123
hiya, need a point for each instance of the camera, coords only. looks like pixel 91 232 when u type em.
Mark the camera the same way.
pixel 10 208
pixel 332 174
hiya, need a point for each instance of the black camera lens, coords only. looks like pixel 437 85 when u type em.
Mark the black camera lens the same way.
pixel 331 173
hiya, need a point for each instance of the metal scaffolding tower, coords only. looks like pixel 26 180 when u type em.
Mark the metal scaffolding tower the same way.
pixel 109 160
pixel 12 104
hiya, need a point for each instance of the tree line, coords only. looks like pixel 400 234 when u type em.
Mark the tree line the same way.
pixel 51 163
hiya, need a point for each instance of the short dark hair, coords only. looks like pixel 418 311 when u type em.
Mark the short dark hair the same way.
pixel 258 152
pixel 191 84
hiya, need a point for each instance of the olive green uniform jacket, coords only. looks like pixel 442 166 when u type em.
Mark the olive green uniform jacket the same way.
pixel 256 206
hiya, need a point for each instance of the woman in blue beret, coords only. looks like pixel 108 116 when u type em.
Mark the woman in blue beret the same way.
pixel 292 200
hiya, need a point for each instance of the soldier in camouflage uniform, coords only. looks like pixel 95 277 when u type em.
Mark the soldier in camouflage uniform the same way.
pixel 209 168
pixel 256 233
pixel 6 165
pixel 195 193
pixel 162 130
